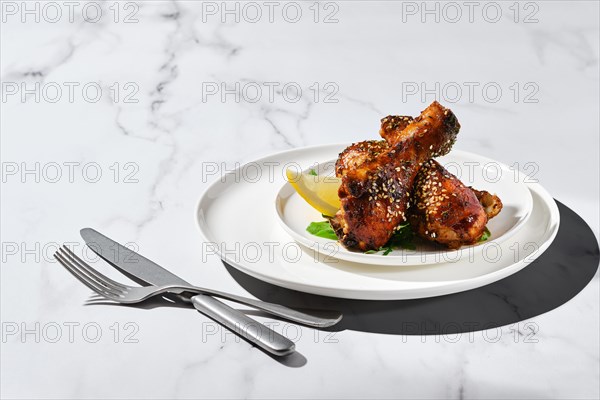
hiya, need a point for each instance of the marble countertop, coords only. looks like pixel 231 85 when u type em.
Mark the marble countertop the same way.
pixel 112 111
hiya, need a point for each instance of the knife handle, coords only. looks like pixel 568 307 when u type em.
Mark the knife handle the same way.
pixel 244 326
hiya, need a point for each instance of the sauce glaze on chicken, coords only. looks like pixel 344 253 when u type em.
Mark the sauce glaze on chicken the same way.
pixel 388 182
pixel 446 211
pixel 378 176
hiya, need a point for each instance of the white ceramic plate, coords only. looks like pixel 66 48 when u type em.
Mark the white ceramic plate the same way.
pixel 482 173
pixel 235 215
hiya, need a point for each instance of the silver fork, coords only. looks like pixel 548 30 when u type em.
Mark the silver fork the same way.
pixel 121 293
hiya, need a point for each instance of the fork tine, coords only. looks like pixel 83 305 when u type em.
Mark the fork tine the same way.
pixel 69 266
pixel 89 277
pixel 103 279
pixel 100 300
pixel 95 298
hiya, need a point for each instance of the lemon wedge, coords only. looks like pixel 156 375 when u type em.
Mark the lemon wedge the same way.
pixel 321 192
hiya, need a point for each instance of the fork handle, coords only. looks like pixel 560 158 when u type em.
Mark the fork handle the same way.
pixel 244 326
pixel 327 318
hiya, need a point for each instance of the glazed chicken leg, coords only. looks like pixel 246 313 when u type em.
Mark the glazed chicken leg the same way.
pixel 377 176
pixel 443 209
pixel 446 211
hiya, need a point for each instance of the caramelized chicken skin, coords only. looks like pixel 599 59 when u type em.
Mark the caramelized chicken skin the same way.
pixel 446 211
pixel 490 202
pixel 392 127
pixel 443 209
pixel 377 176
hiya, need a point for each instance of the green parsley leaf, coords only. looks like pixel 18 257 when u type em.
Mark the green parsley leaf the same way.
pixel 322 229
pixel 312 172
pixel 486 235
pixel 402 238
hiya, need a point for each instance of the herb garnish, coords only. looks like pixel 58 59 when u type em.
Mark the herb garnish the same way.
pixel 486 235
pixel 322 229
pixel 403 239
pixel 312 172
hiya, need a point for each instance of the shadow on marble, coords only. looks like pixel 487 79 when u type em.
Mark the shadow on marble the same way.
pixel 549 282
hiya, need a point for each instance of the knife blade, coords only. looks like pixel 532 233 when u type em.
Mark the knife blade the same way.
pixel 135 265
pixel 145 271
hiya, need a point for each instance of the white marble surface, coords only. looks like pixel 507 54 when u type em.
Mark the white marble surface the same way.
pixel 167 135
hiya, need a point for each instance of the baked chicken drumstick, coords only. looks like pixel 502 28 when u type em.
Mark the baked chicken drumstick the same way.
pixel 446 211
pixel 443 209
pixel 377 176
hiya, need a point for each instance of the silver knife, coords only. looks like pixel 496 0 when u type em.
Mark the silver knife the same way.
pixel 144 271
